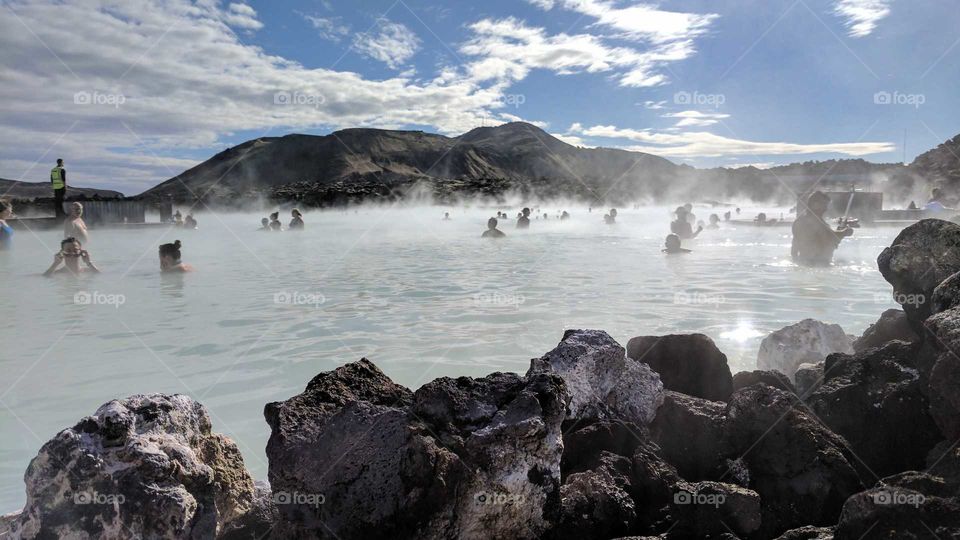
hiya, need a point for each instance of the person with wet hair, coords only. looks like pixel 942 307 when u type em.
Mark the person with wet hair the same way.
pixel 265 225
pixel 296 224
pixel 714 222
pixel 523 222
pixel 446 216
pixel 6 232
pixel 492 230
pixel 681 227
pixel 813 240
pixel 189 222
pixel 275 224
pixel 671 245
pixel 74 226
pixel 170 259
pixel 611 218
pixel 70 255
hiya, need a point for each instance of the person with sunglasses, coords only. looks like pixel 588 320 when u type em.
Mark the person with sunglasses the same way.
pixel 70 255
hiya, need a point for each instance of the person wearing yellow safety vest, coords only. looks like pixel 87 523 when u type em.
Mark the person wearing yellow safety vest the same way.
pixel 58 181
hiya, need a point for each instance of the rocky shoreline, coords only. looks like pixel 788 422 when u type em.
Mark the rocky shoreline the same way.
pixel 831 438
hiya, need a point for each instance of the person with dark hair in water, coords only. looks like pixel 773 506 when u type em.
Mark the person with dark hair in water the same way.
pixel 726 216
pixel 714 222
pixel 170 259
pixel 70 254
pixel 681 227
pixel 492 230
pixel 275 224
pixel 189 222
pixel 813 240
pixel 611 218
pixel 523 222
pixel 6 232
pixel 672 245
pixel 265 225
pixel 297 222
pixel 446 216
pixel 564 216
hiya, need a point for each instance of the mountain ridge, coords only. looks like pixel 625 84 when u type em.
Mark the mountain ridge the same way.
pixel 359 164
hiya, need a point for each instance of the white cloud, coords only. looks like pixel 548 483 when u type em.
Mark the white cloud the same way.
pixel 242 16
pixel 703 144
pixel 508 49
pixel 655 104
pixel 695 118
pixel 330 28
pixel 861 16
pixel 641 22
pixel 389 42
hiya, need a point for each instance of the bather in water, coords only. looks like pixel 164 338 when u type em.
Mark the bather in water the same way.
pixel 523 222
pixel 170 259
pixel 671 245
pixel 814 241
pixel 297 222
pixel 492 230
pixel 681 227
pixel 275 224
pixel 70 255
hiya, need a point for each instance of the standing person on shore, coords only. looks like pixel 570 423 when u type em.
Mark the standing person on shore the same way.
pixel 297 222
pixel 58 181
pixel 6 232
pixel 74 226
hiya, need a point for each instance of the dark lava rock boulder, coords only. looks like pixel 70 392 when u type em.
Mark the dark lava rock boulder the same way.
pixel 712 509
pixel 769 377
pixel 259 521
pixel 808 378
pixel 946 295
pixel 944 378
pixel 146 466
pixel 692 435
pixel 907 505
pixel 506 430
pixel 585 442
pixel 875 399
pixel 687 363
pixel 357 456
pixel 892 325
pixel 597 503
pixel 919 259
pixel 601 380
pixel 802 470
pixel 808 533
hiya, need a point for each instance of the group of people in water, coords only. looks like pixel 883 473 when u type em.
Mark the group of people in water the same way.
pixel 186 223
pixel 72 258
pixel 273 223
pixel 814 240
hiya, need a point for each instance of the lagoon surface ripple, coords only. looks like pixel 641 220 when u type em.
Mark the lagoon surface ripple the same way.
pixel 421 297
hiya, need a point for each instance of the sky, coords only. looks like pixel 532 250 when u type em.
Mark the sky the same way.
pixel 133 92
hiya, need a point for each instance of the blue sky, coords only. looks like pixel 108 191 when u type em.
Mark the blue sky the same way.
pixel 131 93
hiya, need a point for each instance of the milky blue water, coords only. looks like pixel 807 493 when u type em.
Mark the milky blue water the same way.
pixel 421 297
